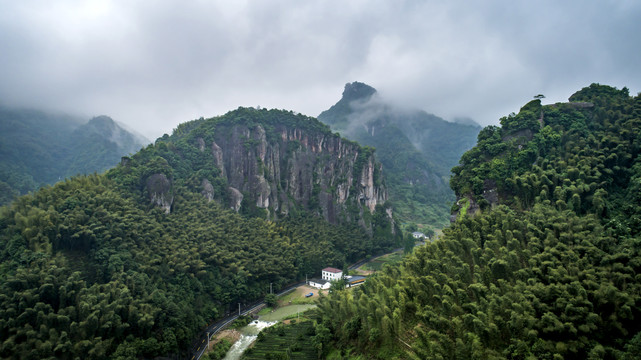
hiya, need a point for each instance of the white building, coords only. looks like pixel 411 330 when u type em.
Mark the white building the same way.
pixel 319 284
pixel 331 274
pixel 418 235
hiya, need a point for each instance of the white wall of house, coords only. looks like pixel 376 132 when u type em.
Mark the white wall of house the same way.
pixel 324 286
pixel 331 276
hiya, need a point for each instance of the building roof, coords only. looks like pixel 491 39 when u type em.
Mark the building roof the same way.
pixel 356 278
pixel 332 270
pixel 418 233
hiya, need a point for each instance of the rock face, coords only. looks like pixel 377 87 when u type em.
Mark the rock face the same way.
pixel 258 161
pixel 159 190
pixel 208 190
pixel 288 167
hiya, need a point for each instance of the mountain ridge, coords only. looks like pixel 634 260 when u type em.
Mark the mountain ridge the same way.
pixel 39 148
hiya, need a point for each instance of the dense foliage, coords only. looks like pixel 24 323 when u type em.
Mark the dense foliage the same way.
pixel 552 276
pixel 38 148
pixel 296 342
pixel 90 269
pixel 417 151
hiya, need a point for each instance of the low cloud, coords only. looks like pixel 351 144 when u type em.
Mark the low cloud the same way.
pixel 154 65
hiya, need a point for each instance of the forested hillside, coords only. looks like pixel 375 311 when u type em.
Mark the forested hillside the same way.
pixel 543 260
pixel 97 267
pixel 417 150
pixel 39 148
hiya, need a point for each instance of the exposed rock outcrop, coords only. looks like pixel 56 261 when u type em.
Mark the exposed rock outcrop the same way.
pixel 208 190
pixel 289 167
pixel 159 190
pixel 236 198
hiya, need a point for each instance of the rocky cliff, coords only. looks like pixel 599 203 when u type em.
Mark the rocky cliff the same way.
pixel 275 161
pixel 294 167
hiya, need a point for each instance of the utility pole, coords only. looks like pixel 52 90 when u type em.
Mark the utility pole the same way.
pixel 238 309
pixel 208 340
pixel 270 288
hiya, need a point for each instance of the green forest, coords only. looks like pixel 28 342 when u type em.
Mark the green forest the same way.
pixel 546 269
pixel 90 269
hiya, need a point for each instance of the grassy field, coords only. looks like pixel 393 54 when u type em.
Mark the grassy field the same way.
pixel 286 312
pixel 297 296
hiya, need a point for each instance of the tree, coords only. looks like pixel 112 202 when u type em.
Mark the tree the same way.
pixel 271 300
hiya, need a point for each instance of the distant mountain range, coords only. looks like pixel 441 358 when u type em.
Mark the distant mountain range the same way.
pixel 39 148
pixel 417 149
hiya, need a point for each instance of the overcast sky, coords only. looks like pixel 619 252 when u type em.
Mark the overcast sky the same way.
pixel 155 64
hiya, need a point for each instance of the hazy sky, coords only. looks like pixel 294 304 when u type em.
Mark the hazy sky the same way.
pixel 155 64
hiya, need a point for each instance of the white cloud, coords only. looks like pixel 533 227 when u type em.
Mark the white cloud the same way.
pixel 155 64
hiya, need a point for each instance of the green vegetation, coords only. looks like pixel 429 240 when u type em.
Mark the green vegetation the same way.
pixel 39 148
pixel 286 312
pixel 241 321
pixel 89 268
pixel 218 351
pixel 271 300
pixel 550 273
pixel 301 339
pixel 377 264
pixel 284 342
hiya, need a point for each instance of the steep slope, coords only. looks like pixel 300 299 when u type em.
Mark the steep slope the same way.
pixel 543 258
pixel 135 262
pixel 416 149
pixel 38 148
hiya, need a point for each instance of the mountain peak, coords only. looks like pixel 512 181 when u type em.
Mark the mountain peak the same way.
pixel 102 124
pixel 357 91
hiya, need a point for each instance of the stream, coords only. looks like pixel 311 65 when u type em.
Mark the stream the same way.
pixel 248 335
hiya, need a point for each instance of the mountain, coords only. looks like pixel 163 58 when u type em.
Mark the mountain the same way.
pixel 99 144
pixel 542 259
pixel 134 263
pixel 269 162
pixel 417 150
pixel 38 148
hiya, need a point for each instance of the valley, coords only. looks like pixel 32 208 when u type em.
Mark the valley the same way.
pixel 339 180
pixel 539 260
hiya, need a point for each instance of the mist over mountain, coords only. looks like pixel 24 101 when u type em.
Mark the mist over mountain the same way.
pixel 417 149
pixel 38 148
